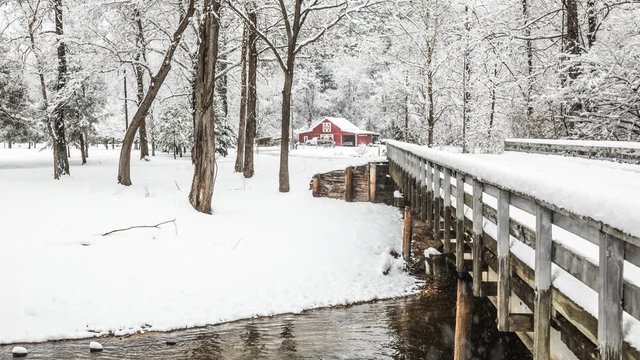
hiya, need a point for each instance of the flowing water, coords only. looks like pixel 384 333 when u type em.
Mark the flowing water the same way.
pixel 415 327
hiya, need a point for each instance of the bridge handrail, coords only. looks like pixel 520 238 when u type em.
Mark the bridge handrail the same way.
pixel 616 295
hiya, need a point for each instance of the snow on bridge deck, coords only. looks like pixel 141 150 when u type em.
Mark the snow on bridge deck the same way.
pixel 605 191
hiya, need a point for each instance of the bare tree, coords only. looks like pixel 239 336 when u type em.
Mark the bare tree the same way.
pixel 59 141
pixel 252 69
pixel 243 102
pixel 124 166
pixel 204 133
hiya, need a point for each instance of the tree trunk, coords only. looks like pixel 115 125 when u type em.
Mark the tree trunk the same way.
pixel 431 119
pixel 529 46
pixel 59 142
pixel 124 168
pixel 204 148
pixel 592 14
pixel 126 99
pixel 286 99
pixel 243 102
pixel 83 149
pixel 86 145
pixel 466 77
pixel 139 70
pixel 252 64
pixel 572 35
pixel 286 118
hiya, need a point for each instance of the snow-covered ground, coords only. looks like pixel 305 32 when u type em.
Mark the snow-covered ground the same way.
pixel 261 253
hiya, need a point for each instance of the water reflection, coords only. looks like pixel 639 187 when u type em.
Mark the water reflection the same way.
pixel 417 327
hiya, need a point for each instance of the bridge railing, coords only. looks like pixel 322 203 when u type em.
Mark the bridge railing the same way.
pixel 491 215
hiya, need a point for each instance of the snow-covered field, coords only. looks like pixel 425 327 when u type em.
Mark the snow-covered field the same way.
pixel 261 253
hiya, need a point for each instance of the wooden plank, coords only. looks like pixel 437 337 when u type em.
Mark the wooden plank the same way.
pixel 520 323
pixel 459 223
pixel 579 228
pixel 373 183
pixel 348 184
pixel 446 238
pixel 632 254
pixel 610 334
pixel 477 238
pixel 316 186
pixel 504 258
pixel 542 282
pixel 406 233
pixel 437 201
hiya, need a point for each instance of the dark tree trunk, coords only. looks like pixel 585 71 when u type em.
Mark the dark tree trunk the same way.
pixel 431 117
pixel 83 149
pixel 126 99
pixel 466 77
pixel 124 168
pixel 59 142
pixel 286 118
pixel 204 148
pixel 86 145
pixel 252 68
pixel 221 86
pixel 592 15
pixel 243 102
pixel 529 47
pixel 139 70
pixel 572 35
pixel 572 47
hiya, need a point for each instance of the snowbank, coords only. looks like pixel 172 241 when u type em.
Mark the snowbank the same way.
pixel 261 253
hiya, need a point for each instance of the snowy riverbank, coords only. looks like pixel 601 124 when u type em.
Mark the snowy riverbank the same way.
pixel 261 253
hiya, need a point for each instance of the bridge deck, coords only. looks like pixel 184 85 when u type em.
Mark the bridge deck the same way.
pixel 602 190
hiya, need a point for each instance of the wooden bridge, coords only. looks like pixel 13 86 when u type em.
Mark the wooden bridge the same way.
pixel 514 245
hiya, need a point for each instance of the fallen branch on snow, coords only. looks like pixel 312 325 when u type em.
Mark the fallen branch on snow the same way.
pixel 157 226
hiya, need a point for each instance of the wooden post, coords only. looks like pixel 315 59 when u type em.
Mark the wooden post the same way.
pixel 477 238
pixel 406 234
pixel 373 183
pixel 348 184
pixel 504 282
pixel 423 190
pixel 447 211
pixel 542 281
pixel 464 309
pixel 436 203
pixel 315 189
pixel 459 223
pixel 610 333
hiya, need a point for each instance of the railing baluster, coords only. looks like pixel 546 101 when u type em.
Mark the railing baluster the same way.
pixel 504 285
pixel 436 202
pixel 477 238
pixel 459 223
pixel 610 297
pixel 446 238
pixel 542 308
pixel 430 195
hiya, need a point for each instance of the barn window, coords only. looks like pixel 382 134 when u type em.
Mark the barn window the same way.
pixel 326 127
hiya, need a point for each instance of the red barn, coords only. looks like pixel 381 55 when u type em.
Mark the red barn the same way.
pixel 338 130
